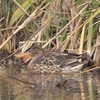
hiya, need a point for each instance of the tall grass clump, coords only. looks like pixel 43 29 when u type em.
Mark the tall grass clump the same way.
pixel 52 24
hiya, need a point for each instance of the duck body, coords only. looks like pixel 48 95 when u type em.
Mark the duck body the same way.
pixel 54 62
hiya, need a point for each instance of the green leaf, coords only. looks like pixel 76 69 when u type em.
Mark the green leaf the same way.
pixel 50 0
pixel 90 34
pixel 78 1
pixel 5 5
pixel 95 3
pixel 18 13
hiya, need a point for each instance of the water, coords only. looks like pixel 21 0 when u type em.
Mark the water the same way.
pixel 15 85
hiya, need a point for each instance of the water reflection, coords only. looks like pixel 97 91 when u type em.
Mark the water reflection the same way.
pixel 29 86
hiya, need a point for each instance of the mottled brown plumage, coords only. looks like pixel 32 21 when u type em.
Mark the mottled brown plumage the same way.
pixel 54 62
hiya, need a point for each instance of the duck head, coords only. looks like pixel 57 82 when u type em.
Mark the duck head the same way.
pixel 34 53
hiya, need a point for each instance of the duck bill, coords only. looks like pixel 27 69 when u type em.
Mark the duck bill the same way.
pixel 23 55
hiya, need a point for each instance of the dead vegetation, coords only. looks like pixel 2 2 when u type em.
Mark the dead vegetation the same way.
pixel 53 24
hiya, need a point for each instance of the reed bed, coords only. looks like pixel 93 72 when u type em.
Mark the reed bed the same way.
pixel 52 24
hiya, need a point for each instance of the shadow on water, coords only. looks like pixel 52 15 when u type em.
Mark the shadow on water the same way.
pixel 23 85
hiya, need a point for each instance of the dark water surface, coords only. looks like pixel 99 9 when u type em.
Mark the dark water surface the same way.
pixel 15 85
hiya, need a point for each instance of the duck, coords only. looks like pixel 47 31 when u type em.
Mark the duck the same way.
pixel 53 61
